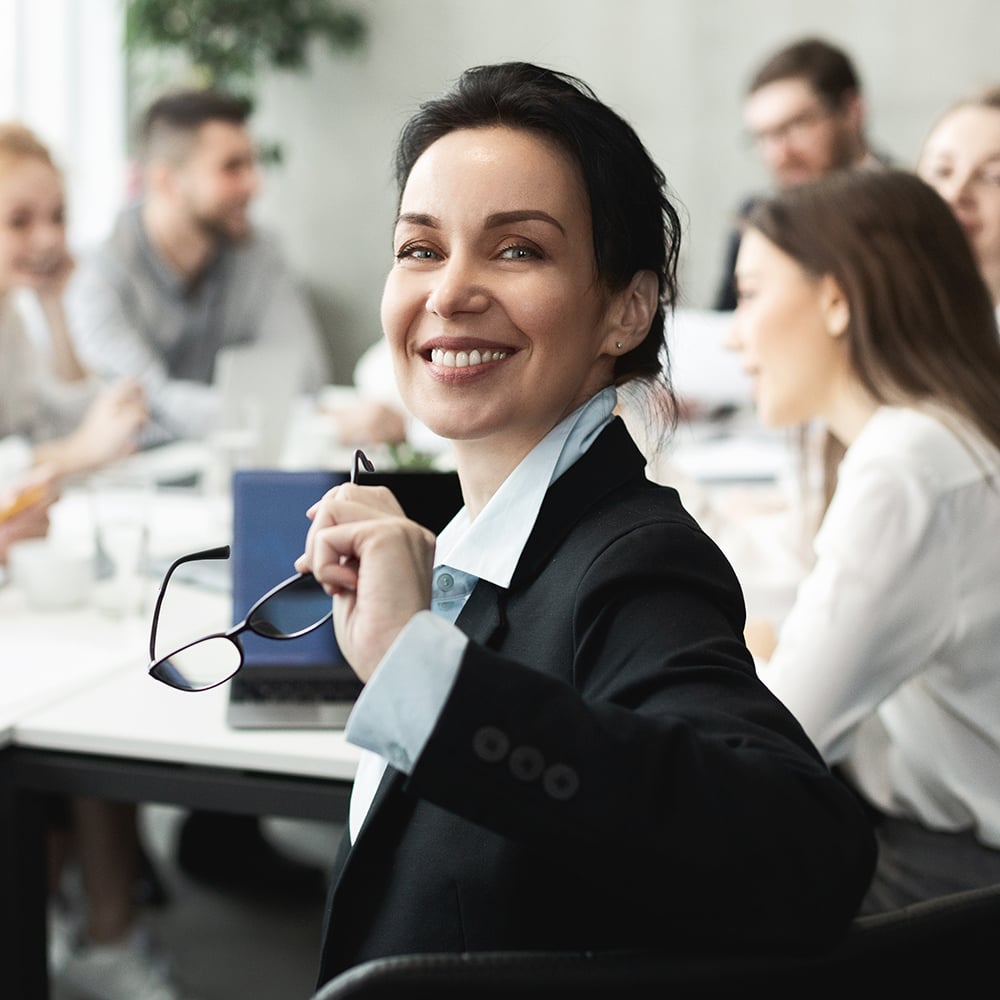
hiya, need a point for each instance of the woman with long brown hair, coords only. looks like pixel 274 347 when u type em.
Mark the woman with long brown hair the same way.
pixel 861 305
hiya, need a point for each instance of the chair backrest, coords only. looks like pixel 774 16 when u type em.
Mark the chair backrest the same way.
pixel 949 941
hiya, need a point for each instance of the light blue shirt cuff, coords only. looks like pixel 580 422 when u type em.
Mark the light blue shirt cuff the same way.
pixel 399 706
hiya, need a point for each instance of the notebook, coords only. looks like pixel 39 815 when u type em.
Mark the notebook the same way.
pixel 304 682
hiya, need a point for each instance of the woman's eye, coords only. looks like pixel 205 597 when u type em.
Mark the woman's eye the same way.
pixel 415 253
pixel 519 251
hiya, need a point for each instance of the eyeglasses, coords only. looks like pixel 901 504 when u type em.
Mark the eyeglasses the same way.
pixel 791 131
pixel 293 608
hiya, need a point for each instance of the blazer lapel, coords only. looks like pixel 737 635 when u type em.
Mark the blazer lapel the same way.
pixel 612 460
pixel 482 617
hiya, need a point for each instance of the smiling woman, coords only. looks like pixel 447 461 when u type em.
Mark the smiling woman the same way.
pixel 500 271
pixel 961 161
pixel 558 749
pixel 60 418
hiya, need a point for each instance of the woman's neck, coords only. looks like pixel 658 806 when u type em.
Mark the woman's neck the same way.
pixel 991 275
pixel 483 465
pixel 851 407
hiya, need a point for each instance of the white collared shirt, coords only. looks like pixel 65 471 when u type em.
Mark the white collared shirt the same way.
pixel 890 657
pixel 399 706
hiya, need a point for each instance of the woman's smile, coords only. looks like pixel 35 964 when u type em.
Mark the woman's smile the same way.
pixel 465 359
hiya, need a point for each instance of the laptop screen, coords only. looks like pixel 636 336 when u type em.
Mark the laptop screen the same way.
pixel 269 531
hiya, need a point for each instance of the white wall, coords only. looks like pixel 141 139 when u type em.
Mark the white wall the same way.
pixel 62 74
pixel 675 68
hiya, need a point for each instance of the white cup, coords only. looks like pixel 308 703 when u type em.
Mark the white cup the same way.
pixel 121 541
pixel 50 577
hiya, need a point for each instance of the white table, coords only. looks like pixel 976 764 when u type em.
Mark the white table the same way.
pixel 129 715
pixel 79 715
pixel 45 656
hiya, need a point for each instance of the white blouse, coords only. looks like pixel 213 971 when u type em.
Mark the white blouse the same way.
pixel 890 657
pixel 35 405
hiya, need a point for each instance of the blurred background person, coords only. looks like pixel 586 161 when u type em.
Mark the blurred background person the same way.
pixel 961 161
pixel 860 304
pixel 805 115
pixel 52 412
pixel 56 421
pixel 185 273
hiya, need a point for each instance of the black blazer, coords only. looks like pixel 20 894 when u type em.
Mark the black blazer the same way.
pixel 607 770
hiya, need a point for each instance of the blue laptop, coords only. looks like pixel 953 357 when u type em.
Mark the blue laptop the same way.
pixel 303 682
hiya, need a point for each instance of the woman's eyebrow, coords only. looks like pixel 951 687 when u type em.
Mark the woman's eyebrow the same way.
pixel 493 221
pixel 522 215
pixel 418 219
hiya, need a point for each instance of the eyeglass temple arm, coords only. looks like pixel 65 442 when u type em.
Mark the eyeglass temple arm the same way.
pixel 220 552
pixel 361 461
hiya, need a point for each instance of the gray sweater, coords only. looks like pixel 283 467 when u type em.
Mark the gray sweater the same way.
pixel 131 314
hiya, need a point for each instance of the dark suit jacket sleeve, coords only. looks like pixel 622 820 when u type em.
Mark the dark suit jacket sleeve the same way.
pixel 725 296
pixel 643 738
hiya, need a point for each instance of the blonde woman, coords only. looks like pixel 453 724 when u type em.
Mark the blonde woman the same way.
pixel 57 421
pixel 961 161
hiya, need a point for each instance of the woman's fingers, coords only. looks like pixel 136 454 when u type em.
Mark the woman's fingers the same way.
pixel 342 505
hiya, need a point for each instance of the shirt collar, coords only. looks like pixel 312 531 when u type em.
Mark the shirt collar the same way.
pixel 168 277
pixel 490 547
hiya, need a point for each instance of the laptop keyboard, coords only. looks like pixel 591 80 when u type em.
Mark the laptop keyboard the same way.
pixel 298 690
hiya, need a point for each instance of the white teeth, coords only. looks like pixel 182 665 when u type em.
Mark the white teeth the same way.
pixel 464 359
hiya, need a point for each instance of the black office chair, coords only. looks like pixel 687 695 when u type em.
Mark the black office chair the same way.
pixel 950 942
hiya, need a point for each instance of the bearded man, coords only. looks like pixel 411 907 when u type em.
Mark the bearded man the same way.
pixel 184 272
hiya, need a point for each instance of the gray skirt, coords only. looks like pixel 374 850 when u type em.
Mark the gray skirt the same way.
pixel 916 863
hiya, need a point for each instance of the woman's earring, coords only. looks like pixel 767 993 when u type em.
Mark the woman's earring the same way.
pixel 618 344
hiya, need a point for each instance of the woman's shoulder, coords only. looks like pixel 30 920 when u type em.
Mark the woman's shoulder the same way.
pixel 933 445
pixel 649 518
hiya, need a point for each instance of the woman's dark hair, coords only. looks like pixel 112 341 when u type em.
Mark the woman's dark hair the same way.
pixel 922 327
pixel 635 226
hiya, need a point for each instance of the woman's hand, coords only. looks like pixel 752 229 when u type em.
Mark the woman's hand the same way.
pixel 761 638
pixel 111 424
pixel 108 432
pixel 376 564
pixel 24 511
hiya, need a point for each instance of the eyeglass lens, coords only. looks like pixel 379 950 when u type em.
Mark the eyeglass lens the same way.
pixel 200 666
pixel 295 607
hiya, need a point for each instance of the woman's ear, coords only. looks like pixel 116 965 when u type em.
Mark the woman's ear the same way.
pixel 632 312
pixel 836 310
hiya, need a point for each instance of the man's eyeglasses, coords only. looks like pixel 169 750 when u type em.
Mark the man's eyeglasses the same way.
pixel 293 608
pixel 791 131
